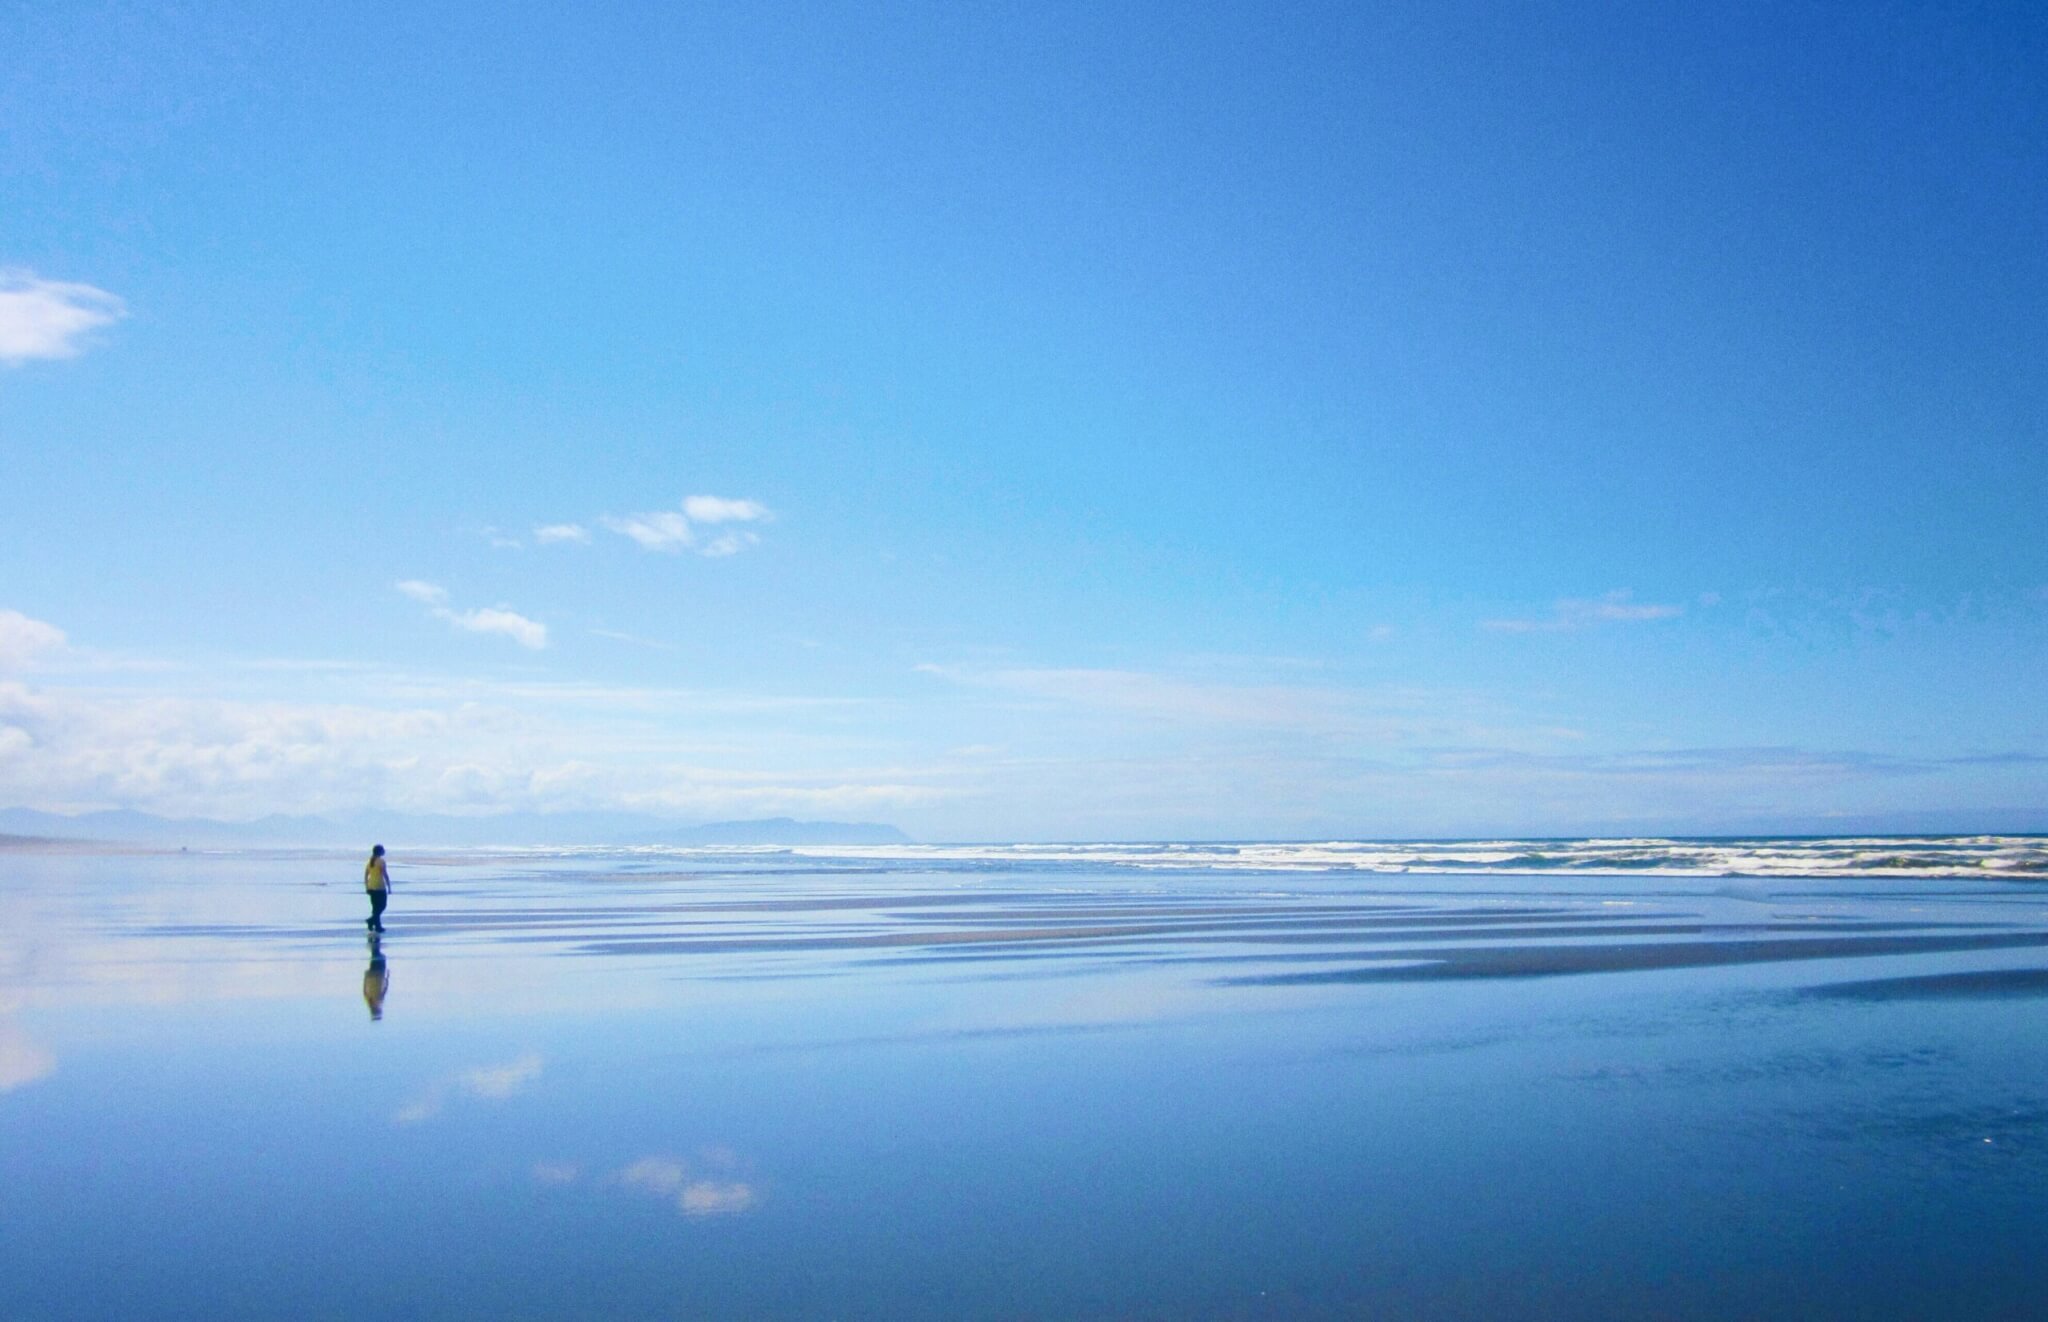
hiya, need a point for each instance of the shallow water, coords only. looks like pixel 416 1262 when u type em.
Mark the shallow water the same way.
pixel 987 1084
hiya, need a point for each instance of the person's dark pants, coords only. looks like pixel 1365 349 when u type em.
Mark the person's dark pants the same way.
pixel 378 899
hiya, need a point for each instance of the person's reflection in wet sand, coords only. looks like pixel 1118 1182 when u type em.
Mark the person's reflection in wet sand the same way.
pixel 376 980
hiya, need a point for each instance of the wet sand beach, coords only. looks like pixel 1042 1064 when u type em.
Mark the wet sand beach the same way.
pixel 1024 1083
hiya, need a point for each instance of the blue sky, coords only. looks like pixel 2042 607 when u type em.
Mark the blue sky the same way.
pixel 1030 421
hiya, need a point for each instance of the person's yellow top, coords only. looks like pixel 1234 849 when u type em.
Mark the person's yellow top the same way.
pixel 375 878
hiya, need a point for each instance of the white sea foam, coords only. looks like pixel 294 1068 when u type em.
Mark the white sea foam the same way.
pixel 2003 857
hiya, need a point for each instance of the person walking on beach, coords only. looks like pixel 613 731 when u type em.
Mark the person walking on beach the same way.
pixel 377 881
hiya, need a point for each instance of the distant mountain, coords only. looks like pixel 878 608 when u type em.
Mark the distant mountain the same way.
pixel 415 829
pixel 126 827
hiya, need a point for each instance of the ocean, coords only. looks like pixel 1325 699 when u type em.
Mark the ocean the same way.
pixel 1464 1079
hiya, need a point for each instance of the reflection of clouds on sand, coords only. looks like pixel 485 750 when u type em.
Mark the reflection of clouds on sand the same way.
pixel 710 1198
pixel 709 1187
pixel 496 1081
pixel 22 1059
pixel 486 1082
pixel 694 1194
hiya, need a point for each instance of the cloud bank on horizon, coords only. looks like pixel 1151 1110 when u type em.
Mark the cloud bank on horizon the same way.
pixel 976 753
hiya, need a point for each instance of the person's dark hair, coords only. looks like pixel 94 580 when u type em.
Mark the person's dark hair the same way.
pixel 376 850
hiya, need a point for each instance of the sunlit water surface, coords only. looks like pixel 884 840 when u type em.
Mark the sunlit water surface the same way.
pixel 988 1084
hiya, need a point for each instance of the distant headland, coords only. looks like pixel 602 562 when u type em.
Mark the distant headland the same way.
pixel 121 826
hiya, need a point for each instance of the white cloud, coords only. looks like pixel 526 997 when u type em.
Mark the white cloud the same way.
pixel 50 318
pixel 496 619
pixel 556 1172
pixel 23 640
pixel 662 530
pixel 553 533
pixel 717 509
pixel 670 531
pixel 1572 613
pixel 486 619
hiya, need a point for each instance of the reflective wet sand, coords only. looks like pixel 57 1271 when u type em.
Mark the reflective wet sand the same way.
pixel 783 1086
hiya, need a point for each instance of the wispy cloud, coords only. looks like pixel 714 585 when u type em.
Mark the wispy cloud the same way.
pixel 24 640
pixel 1780 763
pixel 553 534
pixel 1572 613
pixel 635 639
pixel 672 531
pixel 485 619
pixel 731 543
pixel 50 318
pixel 426 593
pixel 1147 694
pixel 1389 715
